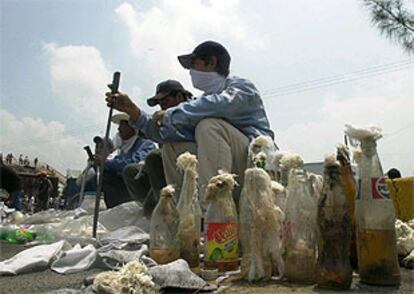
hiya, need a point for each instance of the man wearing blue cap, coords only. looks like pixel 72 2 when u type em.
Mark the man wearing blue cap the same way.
pixel 224 119
pixel 145 181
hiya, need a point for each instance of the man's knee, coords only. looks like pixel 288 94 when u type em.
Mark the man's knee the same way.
pixel 130 171
pixel 207 125
pixel 154 158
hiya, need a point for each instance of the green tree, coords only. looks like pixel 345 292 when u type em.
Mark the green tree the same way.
pixel 393 19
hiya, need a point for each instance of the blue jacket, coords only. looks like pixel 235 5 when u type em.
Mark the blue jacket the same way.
pixel 167 133
pixel 137 153
pixel 239 103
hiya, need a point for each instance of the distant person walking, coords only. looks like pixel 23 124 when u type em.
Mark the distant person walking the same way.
pixel 44 189
pixel 9 158
pixel 26 161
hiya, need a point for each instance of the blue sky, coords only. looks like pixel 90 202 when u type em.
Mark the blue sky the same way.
pixel 57 56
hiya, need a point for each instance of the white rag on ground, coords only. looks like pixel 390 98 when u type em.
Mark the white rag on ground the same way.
pixel 37 258
pixel 76 260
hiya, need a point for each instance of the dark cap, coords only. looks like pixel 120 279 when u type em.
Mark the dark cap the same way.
pixel 109 144
pixel 164 89
pixel 207 49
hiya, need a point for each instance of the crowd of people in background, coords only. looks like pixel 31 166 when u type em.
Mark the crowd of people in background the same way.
pixel 39 196
pixel 21 160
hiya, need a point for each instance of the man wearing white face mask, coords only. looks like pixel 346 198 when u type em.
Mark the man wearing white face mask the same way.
pixel 225 118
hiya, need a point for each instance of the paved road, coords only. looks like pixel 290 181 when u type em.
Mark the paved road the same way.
pixel 42 282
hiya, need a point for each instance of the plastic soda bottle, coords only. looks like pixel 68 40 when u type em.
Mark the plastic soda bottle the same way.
pixel 300 230
pixel 334 267
pixel 190 218
pixel 18 234
pixel 375 216
pixel 164 241
pixel 221 226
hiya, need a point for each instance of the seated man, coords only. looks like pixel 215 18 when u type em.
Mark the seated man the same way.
pixel 145 182
pixel 219 124
pixel 88 175
pixel 133 149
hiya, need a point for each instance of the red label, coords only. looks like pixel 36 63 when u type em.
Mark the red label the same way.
pixel 379 188
pixel 220 232
pixel 222 241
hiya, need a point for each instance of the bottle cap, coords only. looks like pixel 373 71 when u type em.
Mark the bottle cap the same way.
pixel 209 274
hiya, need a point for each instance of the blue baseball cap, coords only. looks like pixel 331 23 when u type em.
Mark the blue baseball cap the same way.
pixel 207 49
pixel 164 89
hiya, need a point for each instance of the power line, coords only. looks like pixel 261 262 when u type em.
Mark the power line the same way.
pixel 389 135
pixel 326 82
pixel 279 91
pixel 329 78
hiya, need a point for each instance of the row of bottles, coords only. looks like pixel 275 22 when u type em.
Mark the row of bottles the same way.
pixel 175 229
pixel 311 225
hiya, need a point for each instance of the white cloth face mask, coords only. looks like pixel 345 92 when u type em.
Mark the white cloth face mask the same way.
pixel 208 81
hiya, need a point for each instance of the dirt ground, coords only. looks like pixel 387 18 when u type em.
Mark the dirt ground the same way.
pixel 43 282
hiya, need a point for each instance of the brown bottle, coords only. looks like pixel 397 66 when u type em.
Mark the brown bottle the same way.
pixel 333 267
pixel 350 189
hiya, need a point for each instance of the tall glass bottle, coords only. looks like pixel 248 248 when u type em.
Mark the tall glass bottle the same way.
pixel 260 228
pixel 189 228
pixel 164 241
pixel 334 267
pixel 300 230
pixel 350 189
pixel 221 226
pixel 375 216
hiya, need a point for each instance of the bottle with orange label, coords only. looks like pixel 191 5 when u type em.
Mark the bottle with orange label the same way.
pixel 221 226
pixel 164 240
pixel 375 216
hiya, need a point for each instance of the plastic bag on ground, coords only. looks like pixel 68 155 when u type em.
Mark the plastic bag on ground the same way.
pixel 75 260
pixel 130 235
pixel 126 214
pixel 405 238
pixel 177 274
pixel 260 228
pixel 37 258
pixel 113 259
pixel 53 216
pixel 76 230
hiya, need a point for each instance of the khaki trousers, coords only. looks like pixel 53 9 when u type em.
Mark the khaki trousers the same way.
pixel 219 145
